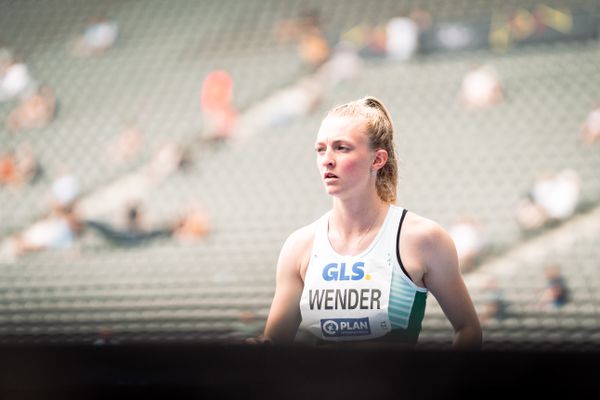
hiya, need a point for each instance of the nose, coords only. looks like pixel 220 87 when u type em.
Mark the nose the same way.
pixel 327 159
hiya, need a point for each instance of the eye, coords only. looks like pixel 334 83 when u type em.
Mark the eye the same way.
pixel 320 149
pixel 343 147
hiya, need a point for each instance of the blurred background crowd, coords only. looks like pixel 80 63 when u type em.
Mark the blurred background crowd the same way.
pixel 155 155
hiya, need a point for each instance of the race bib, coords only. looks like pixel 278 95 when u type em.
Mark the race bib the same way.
pixel 347 299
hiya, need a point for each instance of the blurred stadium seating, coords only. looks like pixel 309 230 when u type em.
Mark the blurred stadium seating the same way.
pixel 453 162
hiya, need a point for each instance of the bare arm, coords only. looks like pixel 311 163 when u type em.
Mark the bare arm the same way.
pixel 284 315
pixel 443 278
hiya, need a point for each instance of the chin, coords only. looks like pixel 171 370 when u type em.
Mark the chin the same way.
pixel 335 192
pixel 332 192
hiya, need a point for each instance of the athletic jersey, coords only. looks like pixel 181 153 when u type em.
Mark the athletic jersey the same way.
pixel 364 297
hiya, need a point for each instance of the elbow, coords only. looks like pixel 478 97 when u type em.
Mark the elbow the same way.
pixel 468 338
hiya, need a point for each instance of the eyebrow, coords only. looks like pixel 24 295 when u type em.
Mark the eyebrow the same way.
pixel 335 141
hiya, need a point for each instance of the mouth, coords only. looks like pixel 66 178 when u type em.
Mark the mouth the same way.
pixel 329 175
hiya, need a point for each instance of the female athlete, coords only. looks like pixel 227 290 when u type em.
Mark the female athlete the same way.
pixel 362 272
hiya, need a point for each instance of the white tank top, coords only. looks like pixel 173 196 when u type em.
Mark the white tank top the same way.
pixel 348 298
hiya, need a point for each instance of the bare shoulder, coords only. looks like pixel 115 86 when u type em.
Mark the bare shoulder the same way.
pixel 302 238
pixel 428 239
pixel 295 252
pixel 424 231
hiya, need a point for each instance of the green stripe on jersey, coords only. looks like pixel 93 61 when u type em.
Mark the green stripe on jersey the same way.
pixel 406 309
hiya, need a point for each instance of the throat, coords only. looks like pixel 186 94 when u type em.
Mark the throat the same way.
pixel 351 246
pixel 354 240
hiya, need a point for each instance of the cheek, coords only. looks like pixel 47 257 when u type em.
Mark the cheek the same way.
pixel 353 165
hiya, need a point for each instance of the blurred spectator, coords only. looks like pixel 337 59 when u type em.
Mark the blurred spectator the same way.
pixel 15 80
pixel 65 189
pixel 19 167
pixel 99 36
pixel 529 215
pixel 194 225
pixel 397 39
pixel 293 102
pixel 27 163
pixel 480 88
pixel 307 32
pixel 402 37
pixel 467 234
pixel 313 48
pixel 57 231
pixel 422 18
pixel 127 145
pixel 134 231
pixel 344 65
pixel 493 302
pixel 556 293
pixel 219 114
pixel 368 41
pixel 590 130
pixel 168 159
pixel 34 111
pixel 375 42
pixel 8 169
pixel 557 193
pixel 553 198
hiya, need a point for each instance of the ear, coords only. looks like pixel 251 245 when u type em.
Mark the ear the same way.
pixel 381 157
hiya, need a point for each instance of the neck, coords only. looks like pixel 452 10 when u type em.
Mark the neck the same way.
pixel 352 216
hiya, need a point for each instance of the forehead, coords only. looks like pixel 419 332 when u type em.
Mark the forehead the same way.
pixel 337 128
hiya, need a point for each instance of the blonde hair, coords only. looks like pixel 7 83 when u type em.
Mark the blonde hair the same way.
pixel 380 132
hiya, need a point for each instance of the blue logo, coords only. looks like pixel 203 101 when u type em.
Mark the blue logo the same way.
pixel 338 272
pixel 340 327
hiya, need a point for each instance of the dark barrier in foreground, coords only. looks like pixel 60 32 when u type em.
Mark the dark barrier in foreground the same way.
pixel 245 371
